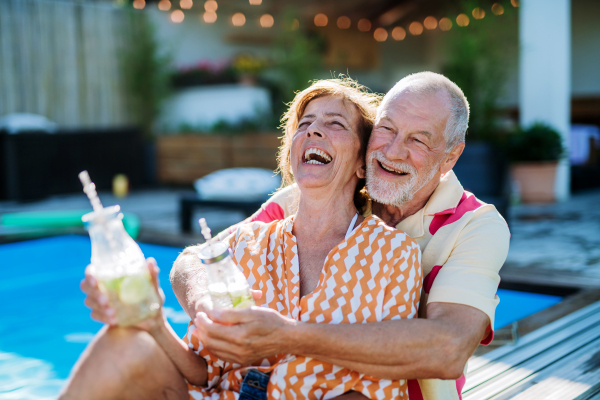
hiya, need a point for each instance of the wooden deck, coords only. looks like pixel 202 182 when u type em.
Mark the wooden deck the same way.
pixel 559 361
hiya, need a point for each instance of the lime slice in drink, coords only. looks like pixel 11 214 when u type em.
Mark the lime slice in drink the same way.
pixel 243 301
pixel 112 285
pixel 134 289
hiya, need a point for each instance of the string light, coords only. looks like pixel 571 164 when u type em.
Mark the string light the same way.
pixel 177 16
pixel 139 4
pixel 515 3
pixel 343 22
pixel 209 17
pixel 364 25
pixel 497 9
pixel 478 13
pixel 211 6
pixel 295 24
pixel 238 19
pixel 266 21
pixel 164 5
pixel 462 20
pixel 398 33
pixel 380 34
pixel 445 24
pixel 255 2
pixel 415 28
pixel 430 23
pixel 321 20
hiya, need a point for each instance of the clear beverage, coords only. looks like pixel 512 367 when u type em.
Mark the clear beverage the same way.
pixel 227 284
pixel 120 267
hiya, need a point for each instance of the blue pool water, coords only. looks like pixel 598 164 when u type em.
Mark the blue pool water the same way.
pixel 44 325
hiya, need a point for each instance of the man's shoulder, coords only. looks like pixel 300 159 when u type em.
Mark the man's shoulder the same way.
pixel 286 199
pixel 469 210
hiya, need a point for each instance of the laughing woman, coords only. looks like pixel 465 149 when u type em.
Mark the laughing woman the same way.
pixel 326 264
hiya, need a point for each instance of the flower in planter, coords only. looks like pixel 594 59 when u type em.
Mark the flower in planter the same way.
pixel 205 72
pixel 248 67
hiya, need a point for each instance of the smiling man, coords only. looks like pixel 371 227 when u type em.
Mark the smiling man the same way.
pixel 418 136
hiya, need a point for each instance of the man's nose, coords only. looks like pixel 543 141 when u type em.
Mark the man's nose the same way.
pixel 396 149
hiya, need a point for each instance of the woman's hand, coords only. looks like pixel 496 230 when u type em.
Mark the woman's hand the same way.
pixel 245 335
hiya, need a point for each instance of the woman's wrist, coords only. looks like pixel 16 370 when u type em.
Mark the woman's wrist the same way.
pixel 159 328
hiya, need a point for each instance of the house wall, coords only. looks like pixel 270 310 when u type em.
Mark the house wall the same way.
pixel 194 40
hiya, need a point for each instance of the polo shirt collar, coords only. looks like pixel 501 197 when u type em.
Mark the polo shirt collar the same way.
pixel 444 200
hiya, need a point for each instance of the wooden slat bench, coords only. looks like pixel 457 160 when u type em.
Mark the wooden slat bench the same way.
pixel 559 361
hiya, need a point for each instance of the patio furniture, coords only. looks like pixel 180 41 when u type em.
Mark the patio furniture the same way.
pixel 240 189
pixel 559 361
pixel 188 203
pixel 37 164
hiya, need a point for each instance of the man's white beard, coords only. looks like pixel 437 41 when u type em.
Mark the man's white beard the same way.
pixel 390 193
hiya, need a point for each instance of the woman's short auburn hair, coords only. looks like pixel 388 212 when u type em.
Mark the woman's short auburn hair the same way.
pixel 345 88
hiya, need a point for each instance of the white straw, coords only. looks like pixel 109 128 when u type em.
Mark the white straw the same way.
pixel 90 190
pixel 206 233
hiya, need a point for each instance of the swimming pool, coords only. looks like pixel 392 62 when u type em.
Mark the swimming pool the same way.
pixel 45 326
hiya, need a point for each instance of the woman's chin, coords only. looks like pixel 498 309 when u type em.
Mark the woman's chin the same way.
pixel 310 181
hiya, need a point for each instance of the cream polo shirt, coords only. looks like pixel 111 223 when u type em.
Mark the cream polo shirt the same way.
pixel 464 243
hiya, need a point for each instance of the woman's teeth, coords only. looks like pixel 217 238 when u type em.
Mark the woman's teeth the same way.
pixel 316 156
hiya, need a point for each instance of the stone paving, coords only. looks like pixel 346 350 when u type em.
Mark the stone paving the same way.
pixel 557 239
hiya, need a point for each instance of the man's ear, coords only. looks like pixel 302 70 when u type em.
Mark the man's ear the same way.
pixel 452 157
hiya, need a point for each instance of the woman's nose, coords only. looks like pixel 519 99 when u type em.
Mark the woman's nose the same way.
pixel 313 130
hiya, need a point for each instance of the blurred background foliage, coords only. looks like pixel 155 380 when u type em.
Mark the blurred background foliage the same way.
pixel 479 60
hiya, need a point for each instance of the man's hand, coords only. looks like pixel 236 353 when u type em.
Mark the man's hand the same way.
pixel 244 335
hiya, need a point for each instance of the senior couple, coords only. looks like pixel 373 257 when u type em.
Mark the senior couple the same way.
pixel 340 270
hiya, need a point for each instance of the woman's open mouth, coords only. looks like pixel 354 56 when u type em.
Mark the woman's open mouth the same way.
pixel 316 156
pixel 391 170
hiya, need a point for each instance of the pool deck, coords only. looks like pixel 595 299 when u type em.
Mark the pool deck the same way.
pixel 553 245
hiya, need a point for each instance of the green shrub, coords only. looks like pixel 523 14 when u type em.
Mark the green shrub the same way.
pixel 539 142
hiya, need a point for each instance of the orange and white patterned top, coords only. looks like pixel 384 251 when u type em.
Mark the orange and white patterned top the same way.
pixel 373 275
pixel 464 243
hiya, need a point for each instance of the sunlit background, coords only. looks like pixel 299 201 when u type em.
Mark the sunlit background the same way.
pixel 173 106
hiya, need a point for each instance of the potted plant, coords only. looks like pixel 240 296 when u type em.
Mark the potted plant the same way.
pixel 534 153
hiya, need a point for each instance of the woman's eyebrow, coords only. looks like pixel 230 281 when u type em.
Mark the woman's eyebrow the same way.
pixel 308 116
pixel 333 114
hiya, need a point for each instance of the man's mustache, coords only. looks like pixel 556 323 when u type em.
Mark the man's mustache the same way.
pixel 397 165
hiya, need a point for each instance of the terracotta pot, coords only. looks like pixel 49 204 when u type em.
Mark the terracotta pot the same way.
pixel 535 180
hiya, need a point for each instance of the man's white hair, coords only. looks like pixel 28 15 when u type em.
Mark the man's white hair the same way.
pixel 430 83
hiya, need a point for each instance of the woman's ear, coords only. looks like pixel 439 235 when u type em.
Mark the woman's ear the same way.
pixel 361 172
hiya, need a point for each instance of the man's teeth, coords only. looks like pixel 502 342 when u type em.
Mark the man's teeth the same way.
pixel 391 169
